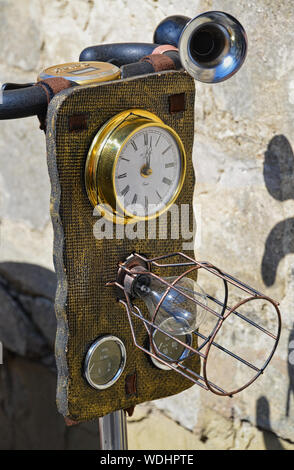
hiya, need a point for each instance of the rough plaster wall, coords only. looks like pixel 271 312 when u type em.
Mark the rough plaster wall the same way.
pixel 243 158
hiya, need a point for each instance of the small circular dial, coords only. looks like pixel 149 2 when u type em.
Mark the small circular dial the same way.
pixel 82 73
pixel 170 350
pixel 135 167
pixel 148 172
pixel 105 361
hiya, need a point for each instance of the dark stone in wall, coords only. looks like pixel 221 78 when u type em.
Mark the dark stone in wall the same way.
pixel 28 415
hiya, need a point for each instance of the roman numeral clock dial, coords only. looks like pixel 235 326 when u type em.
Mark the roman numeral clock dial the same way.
pixel 135 167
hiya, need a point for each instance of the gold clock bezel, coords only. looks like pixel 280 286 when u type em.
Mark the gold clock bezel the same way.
pixel 102 158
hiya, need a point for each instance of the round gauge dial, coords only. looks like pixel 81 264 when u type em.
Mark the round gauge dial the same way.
pixel 170 350
pixel 105 361
pixel 82 73
pixel 135 167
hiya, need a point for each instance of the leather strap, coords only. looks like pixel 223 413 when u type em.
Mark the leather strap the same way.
pixel 52 86
pixel 131 384
pixel 131 390
pixel 159 62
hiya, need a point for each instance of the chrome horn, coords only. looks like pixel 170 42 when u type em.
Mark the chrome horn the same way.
pixel 212 46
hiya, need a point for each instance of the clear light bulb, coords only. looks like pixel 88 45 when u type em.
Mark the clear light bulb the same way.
pixel 177 315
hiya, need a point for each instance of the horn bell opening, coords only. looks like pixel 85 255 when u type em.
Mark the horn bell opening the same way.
pixel 213 47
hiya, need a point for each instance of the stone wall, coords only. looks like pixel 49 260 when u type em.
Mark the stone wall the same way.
pixel 244 204
pixel 28 414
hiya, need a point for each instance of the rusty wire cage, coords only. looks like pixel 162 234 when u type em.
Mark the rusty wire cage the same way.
pixel 137 264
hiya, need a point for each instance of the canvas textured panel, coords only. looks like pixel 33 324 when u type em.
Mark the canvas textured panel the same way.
pixel 85 308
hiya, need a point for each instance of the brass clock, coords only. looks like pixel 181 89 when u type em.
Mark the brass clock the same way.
pixel 135 167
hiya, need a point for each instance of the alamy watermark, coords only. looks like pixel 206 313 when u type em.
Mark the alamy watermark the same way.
pixel 176 223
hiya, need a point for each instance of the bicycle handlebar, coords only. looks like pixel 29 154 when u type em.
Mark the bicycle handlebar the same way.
pixel 22 102
pixel 25 100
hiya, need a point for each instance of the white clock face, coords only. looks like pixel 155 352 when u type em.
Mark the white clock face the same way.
pixel 148 172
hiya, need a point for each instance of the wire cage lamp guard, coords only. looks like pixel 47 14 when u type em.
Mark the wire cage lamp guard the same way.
pixel 134 268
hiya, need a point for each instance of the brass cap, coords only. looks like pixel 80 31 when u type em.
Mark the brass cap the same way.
pixel 82 73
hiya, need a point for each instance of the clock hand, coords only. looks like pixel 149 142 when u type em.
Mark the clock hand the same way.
pixel 149 153
pixel 146 157
pixel 146 170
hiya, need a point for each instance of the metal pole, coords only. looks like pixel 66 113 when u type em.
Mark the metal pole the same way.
pixel 113 431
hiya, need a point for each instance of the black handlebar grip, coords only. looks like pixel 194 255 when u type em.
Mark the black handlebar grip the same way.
pixel 15 86
pixel 142 67
pixel 170 29
pixel 22 102
pixel 118 53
